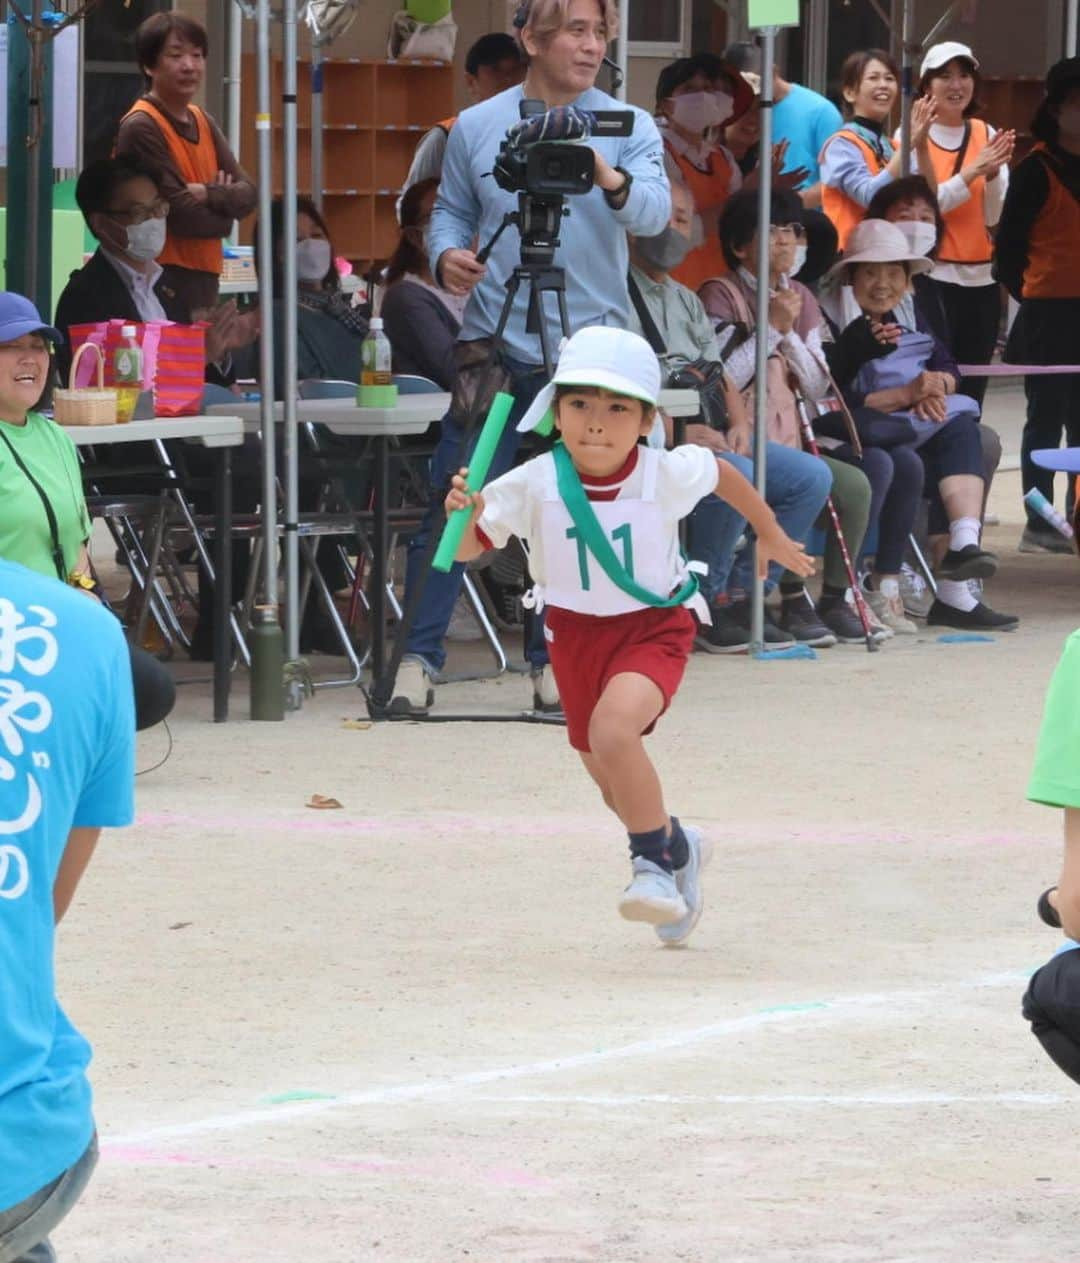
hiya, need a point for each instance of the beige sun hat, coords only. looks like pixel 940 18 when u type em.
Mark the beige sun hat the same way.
pixel 878 241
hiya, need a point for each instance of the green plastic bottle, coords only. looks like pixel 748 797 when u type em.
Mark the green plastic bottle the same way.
pixel 376 381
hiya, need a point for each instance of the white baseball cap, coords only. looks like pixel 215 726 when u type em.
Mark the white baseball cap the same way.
pixel 941 54
pixel 611 359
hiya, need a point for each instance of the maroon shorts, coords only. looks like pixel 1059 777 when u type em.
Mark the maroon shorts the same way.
pixel 586 652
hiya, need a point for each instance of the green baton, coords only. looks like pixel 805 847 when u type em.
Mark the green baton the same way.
pixel 479 465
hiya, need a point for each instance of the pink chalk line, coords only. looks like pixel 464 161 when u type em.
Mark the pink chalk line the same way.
pixel 528 828
pixel 141 1156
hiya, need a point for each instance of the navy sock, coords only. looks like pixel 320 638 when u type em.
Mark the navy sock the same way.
pixel 666 850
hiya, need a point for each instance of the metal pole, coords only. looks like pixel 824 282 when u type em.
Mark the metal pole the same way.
pixel 1071 19
pixel 289 313
pixel 317 179
pixel 622 56
pixel 768 61
pixel 232 84
pixel 907 86
pixel 33 161
pixel 264 137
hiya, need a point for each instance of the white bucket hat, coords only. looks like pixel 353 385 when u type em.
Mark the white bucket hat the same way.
pixel 878 241
pixel 941 54
pixel 611 359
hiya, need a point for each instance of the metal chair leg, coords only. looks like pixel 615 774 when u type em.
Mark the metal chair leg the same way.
pixel 923 564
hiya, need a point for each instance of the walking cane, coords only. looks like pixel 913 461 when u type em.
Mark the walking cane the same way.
pixel 856 590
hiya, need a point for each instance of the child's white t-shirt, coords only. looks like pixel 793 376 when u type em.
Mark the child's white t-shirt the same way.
pixel 653 492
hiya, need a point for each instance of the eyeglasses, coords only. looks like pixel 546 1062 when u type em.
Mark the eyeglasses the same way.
pixel 140 214
pixel 777 232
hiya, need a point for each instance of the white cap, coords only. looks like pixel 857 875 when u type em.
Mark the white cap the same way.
pixel 878 241
pixel 941 54
pixel 375 323
pixel 127 331
pixel 611 359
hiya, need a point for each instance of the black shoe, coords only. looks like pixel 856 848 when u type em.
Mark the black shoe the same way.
pixel 969 562
pixel 981 618
pixel 730 630
pixel 503 601
pixel 841 619
pixel 799 617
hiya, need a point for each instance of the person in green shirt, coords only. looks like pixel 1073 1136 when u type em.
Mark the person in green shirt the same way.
pixel 1052 1001
pixel 44 521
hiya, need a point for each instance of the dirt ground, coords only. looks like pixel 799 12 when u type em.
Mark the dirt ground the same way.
pixel 415 1030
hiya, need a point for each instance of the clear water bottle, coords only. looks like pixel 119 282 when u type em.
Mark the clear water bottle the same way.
pixel 127 373
pixel 376 390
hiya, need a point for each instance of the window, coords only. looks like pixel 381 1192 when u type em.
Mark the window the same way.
pixel 659 29
pixel 112 81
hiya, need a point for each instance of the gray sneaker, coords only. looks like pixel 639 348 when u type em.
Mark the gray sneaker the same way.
pixel 688 884
pixel 915 592
pixel 652 896
pixel 414 690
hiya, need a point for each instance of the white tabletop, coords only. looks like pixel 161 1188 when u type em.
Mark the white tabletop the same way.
pixel 412 414
pixel 250 285
pixel 680 403
pixel 224 429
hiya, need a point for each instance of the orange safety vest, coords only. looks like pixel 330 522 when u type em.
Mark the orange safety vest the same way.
pixel 197 164
pixel 966 237
pixel 710 190
pixel 1053 268
pixel 845 212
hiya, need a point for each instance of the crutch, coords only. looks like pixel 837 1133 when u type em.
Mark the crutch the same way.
pixel 853 579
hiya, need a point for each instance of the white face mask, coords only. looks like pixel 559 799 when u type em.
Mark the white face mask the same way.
pixel 146 241
pixel 699 111
pixel 313 258
pixel 800 259
pixel 922 238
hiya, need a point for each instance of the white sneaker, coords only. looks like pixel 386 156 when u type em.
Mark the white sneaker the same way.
pixel 688 884
pixel 545 692
pixel 652 896
pixel 915 592
pixel 414 690
pixel 463 625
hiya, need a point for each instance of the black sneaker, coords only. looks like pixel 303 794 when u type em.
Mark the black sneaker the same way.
pixel 841 619
pixel 799 617
pixel 730 630
pixel 981 618
pixel 970 562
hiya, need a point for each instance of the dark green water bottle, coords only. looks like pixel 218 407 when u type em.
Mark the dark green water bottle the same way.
pixel 267 643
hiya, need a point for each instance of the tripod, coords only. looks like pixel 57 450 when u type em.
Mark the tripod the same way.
pixel 538 220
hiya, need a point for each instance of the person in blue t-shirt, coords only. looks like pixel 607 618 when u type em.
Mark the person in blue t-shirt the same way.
pixel 801 117
pixel 67 767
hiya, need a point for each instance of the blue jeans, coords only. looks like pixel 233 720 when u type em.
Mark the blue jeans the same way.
pixel 427 635
pixel 796 487
pixel 25 1228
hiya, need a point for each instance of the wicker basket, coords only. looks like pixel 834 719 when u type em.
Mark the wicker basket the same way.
pixel 88 405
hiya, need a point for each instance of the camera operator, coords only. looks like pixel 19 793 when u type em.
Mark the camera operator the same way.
pixel 566 41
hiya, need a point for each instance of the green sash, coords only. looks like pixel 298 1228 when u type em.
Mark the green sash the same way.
pixel 572 494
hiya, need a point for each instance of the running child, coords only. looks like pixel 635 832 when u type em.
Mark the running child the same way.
pixel 600 517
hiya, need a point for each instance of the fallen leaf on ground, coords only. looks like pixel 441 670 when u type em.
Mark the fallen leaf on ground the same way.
pixel 321 803
pixel 357 725
pixel 181 925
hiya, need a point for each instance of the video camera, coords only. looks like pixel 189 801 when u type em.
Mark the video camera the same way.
pixel 539 157
pixel 540 162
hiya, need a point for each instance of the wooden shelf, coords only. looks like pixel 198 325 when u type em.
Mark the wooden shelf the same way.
pixel 374 114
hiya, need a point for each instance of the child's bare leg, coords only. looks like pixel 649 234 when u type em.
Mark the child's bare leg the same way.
pixel 619 764
pixel 598 776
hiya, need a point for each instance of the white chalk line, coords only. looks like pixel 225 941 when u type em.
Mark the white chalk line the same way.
pixel 898 1100
pixel 840 1008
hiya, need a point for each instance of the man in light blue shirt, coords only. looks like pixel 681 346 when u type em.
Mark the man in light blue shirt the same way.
pixel 67 725
pixel 802 117
pixel 631 194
